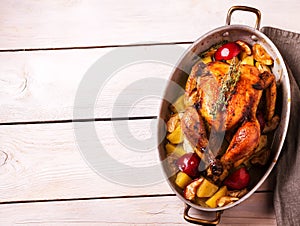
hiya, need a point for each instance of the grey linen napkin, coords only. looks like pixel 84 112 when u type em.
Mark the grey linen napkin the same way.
pixel 287 170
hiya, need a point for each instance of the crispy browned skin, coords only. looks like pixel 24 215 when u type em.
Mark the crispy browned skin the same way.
pixel 193 127
pixel 241 103
pixel 240 112
pixel 243 143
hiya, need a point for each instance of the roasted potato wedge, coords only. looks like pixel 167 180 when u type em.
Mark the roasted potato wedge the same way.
pixel 206 189
pixel 248 60
pixel 261 55
pixel 182 180
pixel 262 68
pixel 176 137
pixel 212 201
pixel 245 47
pixel 176 150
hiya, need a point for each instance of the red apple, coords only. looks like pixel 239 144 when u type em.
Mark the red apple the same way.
pixel 238 179
pixel 188 163
pixel 227 51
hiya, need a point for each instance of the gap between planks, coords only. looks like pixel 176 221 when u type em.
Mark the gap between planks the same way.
pixel 93 47
pixel 108 197
pixel 79 120
pixel 168 210
pixel 96 198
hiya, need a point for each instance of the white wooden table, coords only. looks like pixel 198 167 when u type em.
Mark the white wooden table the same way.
pixel 46 49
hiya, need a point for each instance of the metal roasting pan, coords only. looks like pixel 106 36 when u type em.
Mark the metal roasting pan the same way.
pixel 228 32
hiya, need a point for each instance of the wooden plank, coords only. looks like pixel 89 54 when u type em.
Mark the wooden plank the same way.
pixel 46 24
pixel 43 162
pixel 42 85
pixel 130 211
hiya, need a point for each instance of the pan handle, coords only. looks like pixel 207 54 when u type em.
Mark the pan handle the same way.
pixel 244 8
pixel 203 222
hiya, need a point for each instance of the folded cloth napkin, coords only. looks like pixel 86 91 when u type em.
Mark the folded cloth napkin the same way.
pixel 287 170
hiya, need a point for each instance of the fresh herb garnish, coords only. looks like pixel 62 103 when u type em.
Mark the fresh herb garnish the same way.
pixel 227 89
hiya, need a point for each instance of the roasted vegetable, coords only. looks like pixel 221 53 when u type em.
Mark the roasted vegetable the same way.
pixel 190 190
pixel 206 189
pixel 262 68
pixel 245 47
pixel 237 193
pixel 248 60
pixel 206 59
pixel 182 180
pixel 226 200
pixel 212 201
pixel 272 125
pixel 176 137
pixel 176 150
pixel 261 158
pixel 261 55
pixel 172 123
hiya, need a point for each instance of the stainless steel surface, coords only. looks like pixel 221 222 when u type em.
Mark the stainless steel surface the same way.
pixel 244 8
pixel 196 220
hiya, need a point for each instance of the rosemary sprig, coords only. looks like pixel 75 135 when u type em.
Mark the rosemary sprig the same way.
pixel 227 89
